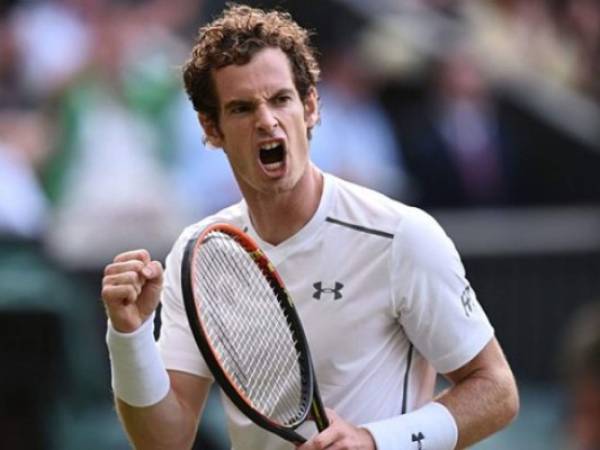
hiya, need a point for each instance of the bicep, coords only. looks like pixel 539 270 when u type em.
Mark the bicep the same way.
pixel 483 397
pixel 490 360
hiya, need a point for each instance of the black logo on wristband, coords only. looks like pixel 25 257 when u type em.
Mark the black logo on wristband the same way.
pixel 418 438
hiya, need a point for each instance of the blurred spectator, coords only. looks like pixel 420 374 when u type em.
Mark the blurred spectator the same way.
pixel 541 65
pixel 580 364
pixel 109 177
pixel 24 146
pixel 579 20
pixel 518 38
pixel 458 150
pixel 53 43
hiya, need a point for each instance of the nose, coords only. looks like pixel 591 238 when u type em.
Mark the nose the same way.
pixel 265 119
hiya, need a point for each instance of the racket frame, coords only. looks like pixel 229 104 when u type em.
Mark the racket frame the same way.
pixel 310 391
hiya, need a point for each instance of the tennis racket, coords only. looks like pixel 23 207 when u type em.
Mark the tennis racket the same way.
pixel 249 332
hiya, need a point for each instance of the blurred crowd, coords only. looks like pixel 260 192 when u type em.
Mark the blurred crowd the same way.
pixel 97 139
pixel 438 103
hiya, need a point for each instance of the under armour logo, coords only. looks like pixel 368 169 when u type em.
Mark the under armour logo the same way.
pixel 418 438
pixel 466 299
pixel 336 291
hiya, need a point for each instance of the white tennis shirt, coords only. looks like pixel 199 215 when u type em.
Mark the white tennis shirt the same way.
pixel 383 298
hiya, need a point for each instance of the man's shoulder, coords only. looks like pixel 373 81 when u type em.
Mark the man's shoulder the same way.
pixel 367 207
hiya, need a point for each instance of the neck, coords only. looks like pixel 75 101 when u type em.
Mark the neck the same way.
pixel 276 217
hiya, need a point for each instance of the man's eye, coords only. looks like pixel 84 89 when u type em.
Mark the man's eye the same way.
pixel 282 99
pixel 239 109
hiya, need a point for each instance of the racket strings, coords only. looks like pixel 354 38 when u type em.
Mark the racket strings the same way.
pixel 280 377
pixel 260 370
pixel 248 329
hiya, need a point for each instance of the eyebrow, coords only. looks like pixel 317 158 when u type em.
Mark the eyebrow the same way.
pixel 283 91
pixel 239 102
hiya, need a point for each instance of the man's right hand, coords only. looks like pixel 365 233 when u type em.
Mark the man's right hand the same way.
pixel 131 289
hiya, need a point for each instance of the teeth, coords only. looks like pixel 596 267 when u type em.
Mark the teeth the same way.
pixel 270 146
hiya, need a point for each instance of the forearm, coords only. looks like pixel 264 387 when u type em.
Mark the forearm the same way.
pixel 159 409
pixel 167 425
pixel 482 403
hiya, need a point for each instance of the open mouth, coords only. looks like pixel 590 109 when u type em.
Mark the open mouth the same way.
pixel 272 154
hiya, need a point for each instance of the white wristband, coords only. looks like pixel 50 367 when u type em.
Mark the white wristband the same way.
pixel 431 427
pixel 138 374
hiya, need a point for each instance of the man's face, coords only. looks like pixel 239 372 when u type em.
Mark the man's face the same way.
pixel 263 123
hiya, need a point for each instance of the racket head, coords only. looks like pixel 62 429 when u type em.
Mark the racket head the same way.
pixel 222 259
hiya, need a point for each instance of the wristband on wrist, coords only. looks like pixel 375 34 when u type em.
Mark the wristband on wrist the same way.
pixel 137 371
pixel 431 427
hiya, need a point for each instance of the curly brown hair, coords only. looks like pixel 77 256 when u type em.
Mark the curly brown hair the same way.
pixel 234 38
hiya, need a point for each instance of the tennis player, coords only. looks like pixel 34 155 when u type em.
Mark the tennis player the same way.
pixel 380 288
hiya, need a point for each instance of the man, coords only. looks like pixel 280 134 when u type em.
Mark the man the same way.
pixel 379 286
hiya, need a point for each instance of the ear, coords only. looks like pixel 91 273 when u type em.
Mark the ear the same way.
pixel 211 131
pixel 311 108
